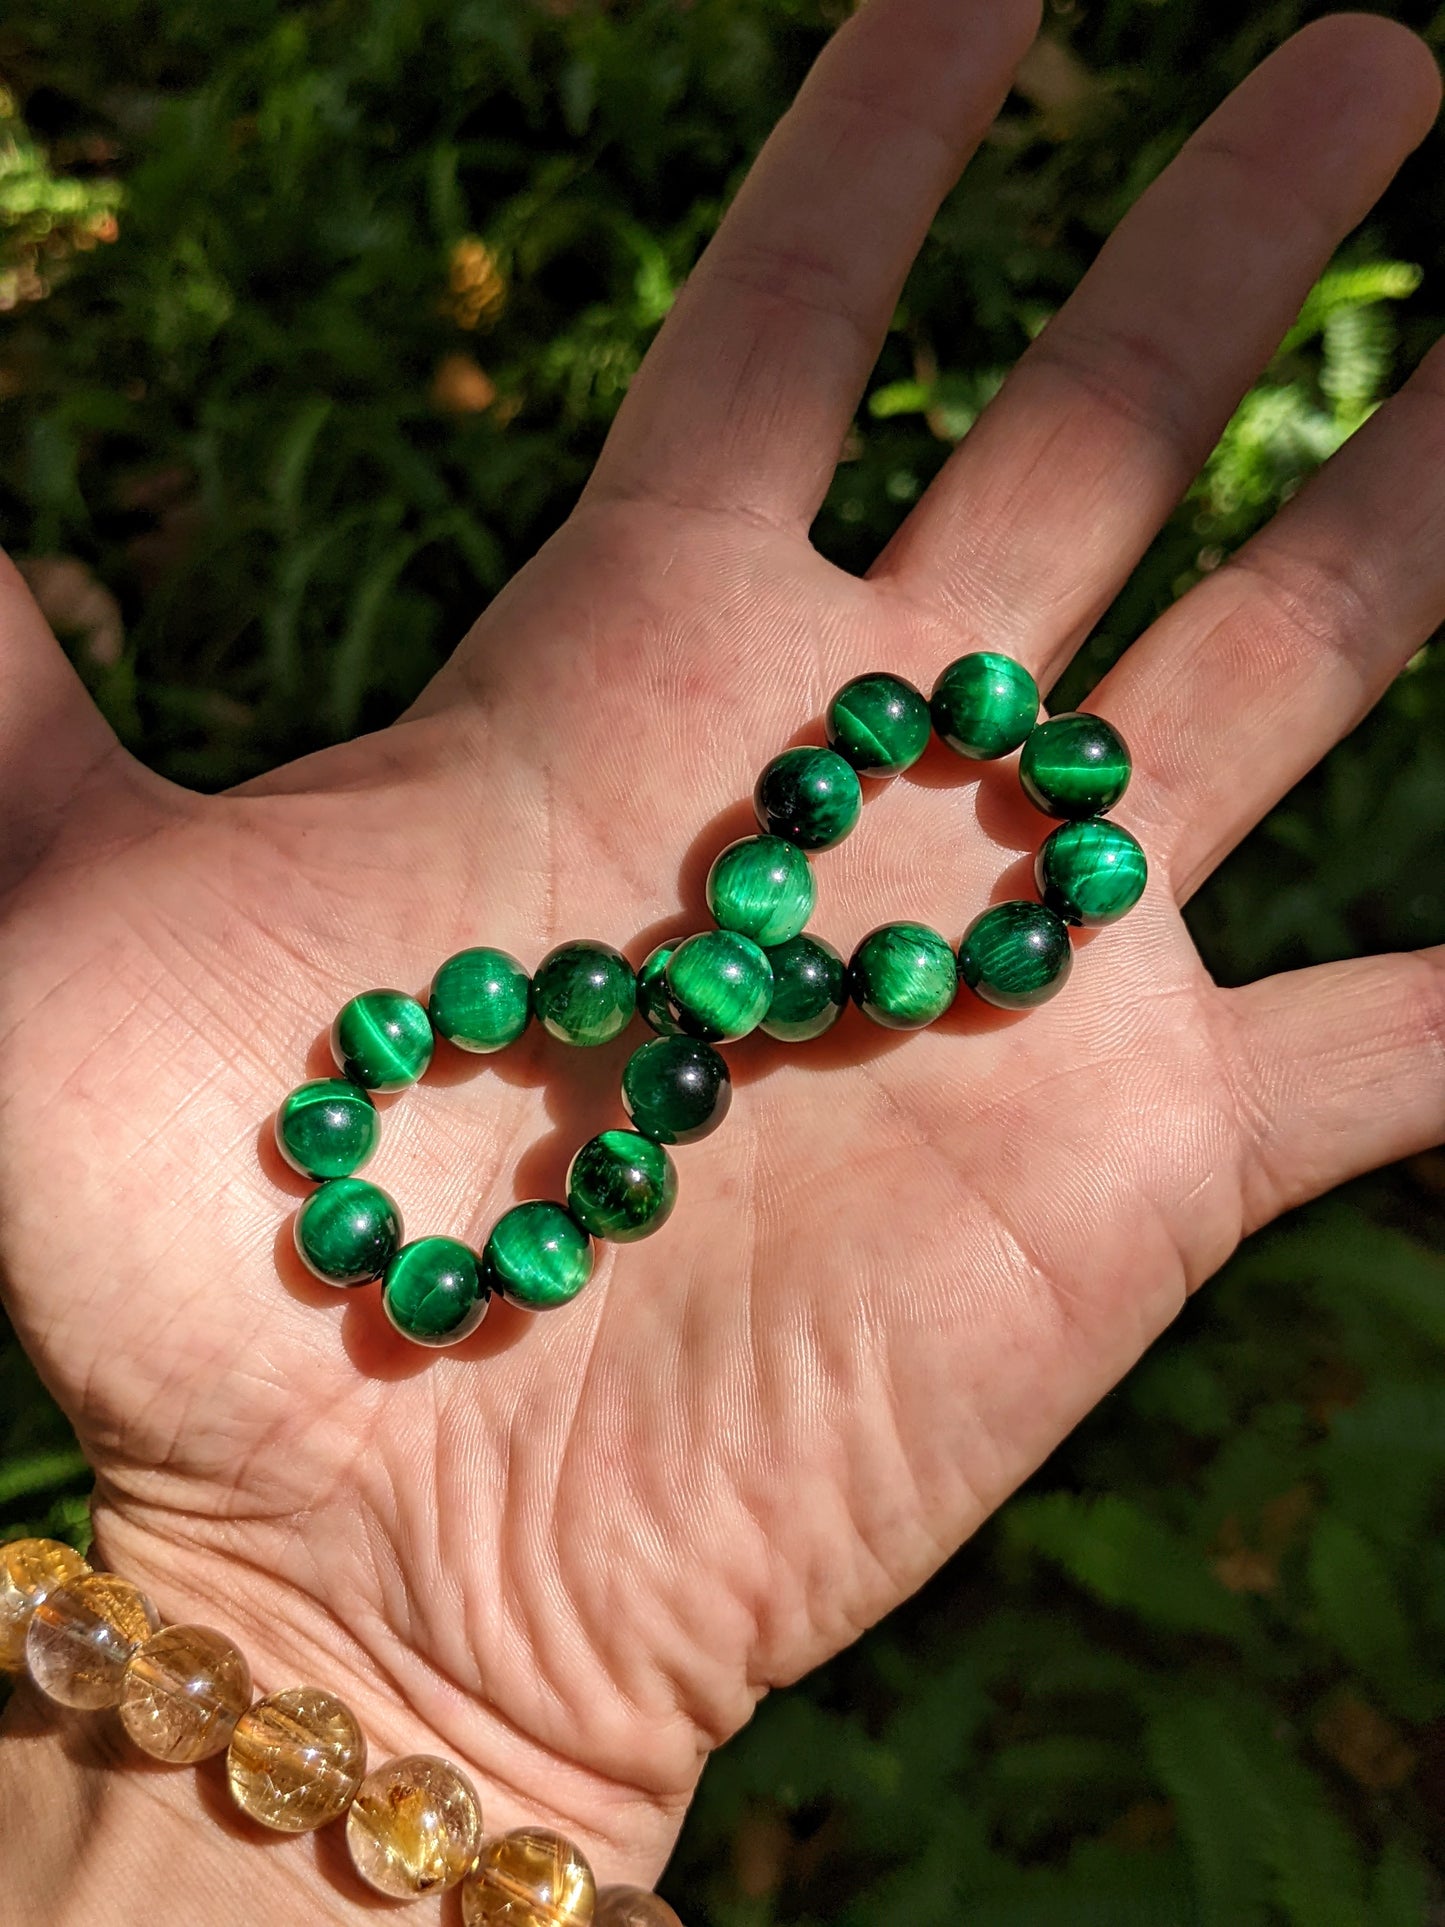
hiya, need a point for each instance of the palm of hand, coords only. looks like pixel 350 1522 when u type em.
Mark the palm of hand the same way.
pixel 580 1546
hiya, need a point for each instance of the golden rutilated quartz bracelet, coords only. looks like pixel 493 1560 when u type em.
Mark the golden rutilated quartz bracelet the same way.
pixel 296 1759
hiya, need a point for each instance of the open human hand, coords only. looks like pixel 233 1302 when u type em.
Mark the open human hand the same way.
pixel 572 1553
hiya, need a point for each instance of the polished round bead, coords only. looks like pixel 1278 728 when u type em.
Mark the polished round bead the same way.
pixel 809 796
pixel 382 1039
pixel 903 976
pixel 585 993
pixel 1075 765
pixel 415 1827
pixel 621 1186
pixel 1016 955
pixel 879 723
pixel 652 991
pixel 433 1291
pixel 633 1907
pixel 1092 872
pixel 183 1692
pixel 481 1000
pixel 327 1128
pixel 538 1256
pixel 810 989
pixel 81 1637
pixel 676 1089
pixel 984 705
pixel 29 1569
pixel 761 887
pixel 530 1878
pixel 296 1760
pixel 348 1231
pixel 719 986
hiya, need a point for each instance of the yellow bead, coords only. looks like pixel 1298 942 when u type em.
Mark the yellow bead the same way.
pixel 296 1760
pixel 183 1694
pixel 81 1638
pixel 29 1568
pixel 633 1907
pixel 530 1878
pixel 415 1827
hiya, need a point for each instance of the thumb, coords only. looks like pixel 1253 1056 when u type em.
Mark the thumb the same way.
pixel 54 743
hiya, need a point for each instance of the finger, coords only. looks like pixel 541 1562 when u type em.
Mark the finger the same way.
pixel 1241 688
pixel 1037 518
pixel 52 737
pixel 748 391
pixel 1339 1069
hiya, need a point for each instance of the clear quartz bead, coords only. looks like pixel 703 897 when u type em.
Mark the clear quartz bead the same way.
pixel 530 1878
pixel 415 1827
pixel 296 1760
pixel 29 1569
pixel 183 1693
pixel 81 1638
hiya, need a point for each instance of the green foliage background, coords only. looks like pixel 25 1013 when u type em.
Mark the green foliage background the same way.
pixel 1193 1677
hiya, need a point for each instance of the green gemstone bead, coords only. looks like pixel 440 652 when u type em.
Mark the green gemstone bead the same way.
pixel 810 988
pixel 433 1292
pixel 761 887
pixel 719 986
pixel 585 993
pixel 621 1186
pixel 809 796
pixel 538 1256
pixel 1092 872
pixel 348 1231
pixel 1075 765
pixel 879 723
pixel 984 705
pixel 1016 955
pixel 676 1089
pixel 652 992
pixel 382 1039
pixel 481 1000
pixel 903 976
pixel 328 1128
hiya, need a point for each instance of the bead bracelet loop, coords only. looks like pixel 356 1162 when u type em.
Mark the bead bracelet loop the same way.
pixel 295 1760
pixel 759 968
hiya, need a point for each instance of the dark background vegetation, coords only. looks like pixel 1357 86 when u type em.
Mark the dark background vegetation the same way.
pixel 313 318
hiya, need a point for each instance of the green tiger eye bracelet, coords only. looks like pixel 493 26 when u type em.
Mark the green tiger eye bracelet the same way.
pixel 758 969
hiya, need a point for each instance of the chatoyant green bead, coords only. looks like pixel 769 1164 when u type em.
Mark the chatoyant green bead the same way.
pixel 481 1000
pixel 810 989
pixel 327 1128
pixel 652 992
pixel 382 1039
pixel 621 1186
pixel 1075 765
pixel 762 887
pixel 809 796
pixel 1091 872
pixel 903 976
pixel 879 723
pixel 984 705
pixel 1016 955
pixel 348 1231
pixel 585 993
pixel 676 1089
pixel 538 1256
pixel 433 1292
pixel 719 986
